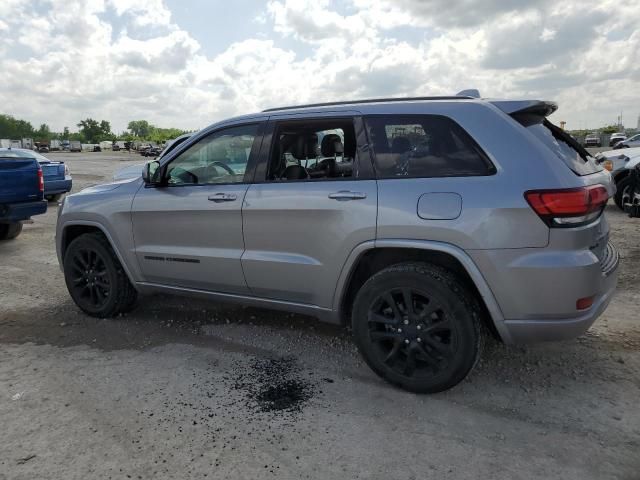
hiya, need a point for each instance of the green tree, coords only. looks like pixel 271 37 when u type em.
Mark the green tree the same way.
pixel 43 133
pixel 65 133
pixel 93 131
pixel 12 128
pixel 139 128
pixel 610 129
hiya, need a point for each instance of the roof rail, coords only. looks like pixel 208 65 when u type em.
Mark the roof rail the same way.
pixel 368 100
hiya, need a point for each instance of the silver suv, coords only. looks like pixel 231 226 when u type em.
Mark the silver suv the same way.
pixel 424 224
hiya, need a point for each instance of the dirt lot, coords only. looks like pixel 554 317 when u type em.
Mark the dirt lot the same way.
pixel 187 389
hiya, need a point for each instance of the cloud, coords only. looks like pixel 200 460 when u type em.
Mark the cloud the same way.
pixel 125 59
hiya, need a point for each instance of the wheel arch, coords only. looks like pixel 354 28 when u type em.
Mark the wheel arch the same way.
pixel 621 175
pixel 371 257
pixel 72 230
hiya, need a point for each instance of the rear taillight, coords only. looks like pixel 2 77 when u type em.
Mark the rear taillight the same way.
pixel 568 207
pixel 40 180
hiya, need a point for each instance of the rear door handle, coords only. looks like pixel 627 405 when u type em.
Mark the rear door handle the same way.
pixel 223 197
pixel 344 195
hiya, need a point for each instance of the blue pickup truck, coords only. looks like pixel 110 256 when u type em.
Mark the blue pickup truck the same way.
pixel 57 178
pixel 21 193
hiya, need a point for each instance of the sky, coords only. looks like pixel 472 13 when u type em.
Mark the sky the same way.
pixel 187 64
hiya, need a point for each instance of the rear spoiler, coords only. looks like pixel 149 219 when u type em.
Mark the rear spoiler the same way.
pixel 533 112
pixel 538 108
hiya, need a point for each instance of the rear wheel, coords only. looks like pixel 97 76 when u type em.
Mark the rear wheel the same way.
pixel 417 327
pixel 9 231
pixel 95 278
pixel 623 192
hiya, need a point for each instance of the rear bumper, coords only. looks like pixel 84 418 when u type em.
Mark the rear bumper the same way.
pixel 537 290
pixel 16 212
pixel 53 187
pixel 531 331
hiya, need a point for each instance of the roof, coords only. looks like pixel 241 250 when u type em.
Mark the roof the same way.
pixel 368 100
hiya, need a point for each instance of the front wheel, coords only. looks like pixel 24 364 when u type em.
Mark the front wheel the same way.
pixel 417 327
pixel 95 278
pixel 9 231
pixel 623 192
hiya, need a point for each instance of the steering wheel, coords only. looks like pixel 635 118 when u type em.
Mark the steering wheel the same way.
pixel 224 166
pixel 184 176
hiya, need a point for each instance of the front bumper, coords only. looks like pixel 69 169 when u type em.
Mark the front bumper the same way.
pixel 537 292
pixel 53 187
pixel 16 212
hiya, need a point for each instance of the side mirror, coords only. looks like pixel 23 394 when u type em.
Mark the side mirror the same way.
pixel 150 172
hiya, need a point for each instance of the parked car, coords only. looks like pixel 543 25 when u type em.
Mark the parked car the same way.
pixel 620 164
pixel 75 146
pixel 21 192
pixel 56 175
pixel 632 197
pixel 630 142
pixel 43 149
pixel 592 140
pixel 96 148
pixel 409 219
pixel 142 149
pixel 616 137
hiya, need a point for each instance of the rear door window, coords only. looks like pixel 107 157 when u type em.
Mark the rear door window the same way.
pixel 416 146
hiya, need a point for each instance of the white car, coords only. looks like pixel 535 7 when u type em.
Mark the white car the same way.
pixel 630 142
pixel 620 165
pixel 615 138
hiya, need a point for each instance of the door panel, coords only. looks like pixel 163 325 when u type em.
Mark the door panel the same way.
pixel 184 239
pixel 297 238
pixel 298 234
pixel 188 229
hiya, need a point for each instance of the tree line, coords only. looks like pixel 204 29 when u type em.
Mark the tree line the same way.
pixel 89 131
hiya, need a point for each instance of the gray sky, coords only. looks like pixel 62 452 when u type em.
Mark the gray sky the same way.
pixel 187 64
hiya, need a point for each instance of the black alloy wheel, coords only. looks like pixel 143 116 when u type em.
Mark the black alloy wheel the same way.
pixel 418 327
pixel 90 278
pixel 411 332
pixel 95 278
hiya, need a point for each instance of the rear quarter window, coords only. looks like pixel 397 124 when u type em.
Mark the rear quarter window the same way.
pixel 422 146
pixel 566 149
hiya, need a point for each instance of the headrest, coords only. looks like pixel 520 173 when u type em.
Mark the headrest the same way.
pixel 311 146
pixel 297 148
pixel 331 145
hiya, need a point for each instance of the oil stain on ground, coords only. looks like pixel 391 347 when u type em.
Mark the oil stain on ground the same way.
pixel 274 385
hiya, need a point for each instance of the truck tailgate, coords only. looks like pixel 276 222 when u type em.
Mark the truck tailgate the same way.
pixel 19 180
pixel 52 170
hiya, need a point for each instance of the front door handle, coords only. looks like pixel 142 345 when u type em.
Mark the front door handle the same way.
pixel 344 195
pixel 223 197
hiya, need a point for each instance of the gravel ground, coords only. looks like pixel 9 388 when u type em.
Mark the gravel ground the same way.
pixel 188 389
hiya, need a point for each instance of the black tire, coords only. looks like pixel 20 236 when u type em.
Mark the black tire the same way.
pixel 95 278
pixel 621 186
pixel 54 198
pixel 9 231
pixel 432 347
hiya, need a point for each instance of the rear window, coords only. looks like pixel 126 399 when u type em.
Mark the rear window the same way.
pixel 564 146
pixel 419 146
